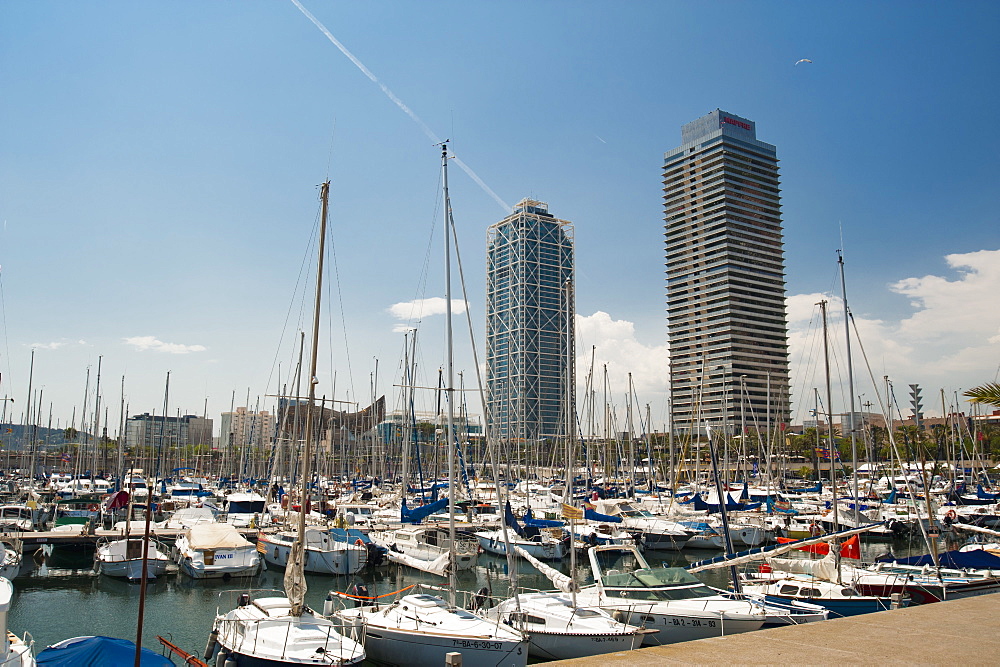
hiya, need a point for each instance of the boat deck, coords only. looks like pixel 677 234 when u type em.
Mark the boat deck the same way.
pixel 959 632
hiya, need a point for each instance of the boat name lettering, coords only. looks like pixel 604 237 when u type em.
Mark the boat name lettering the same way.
pixel 690 622
pixel 477 644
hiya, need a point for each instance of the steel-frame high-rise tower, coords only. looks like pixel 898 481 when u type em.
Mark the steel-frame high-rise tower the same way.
pixel 530 303
pixel 726 317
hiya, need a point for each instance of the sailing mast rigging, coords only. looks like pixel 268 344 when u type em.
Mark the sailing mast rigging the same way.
pixel 295 581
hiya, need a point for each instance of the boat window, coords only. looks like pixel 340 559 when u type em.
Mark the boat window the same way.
pixel 788 590
pixel 848 592
pixel 585 613
pixel 537 620
pixel 462 614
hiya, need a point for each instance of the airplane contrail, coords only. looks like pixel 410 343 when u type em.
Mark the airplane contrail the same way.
pixel 399 103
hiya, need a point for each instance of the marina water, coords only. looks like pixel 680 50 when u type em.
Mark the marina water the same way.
pixel 63 597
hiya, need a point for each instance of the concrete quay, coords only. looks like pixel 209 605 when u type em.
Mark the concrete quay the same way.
pixel 959 632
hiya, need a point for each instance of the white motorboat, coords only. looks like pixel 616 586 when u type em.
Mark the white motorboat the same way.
pixel 667 599
pixel 216 551
pixel 559 630
pixel 244 508
pixel 542 544
pixel 123 558
pixel 422 629
pixel 265 632
pixel 323 554
pixel 14 651
pixel 17 518
pixel 10 561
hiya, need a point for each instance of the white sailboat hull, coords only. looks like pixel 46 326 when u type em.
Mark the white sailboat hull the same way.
pixel 343 559
pixel 493 542
pixel 391 646
pixel 562 646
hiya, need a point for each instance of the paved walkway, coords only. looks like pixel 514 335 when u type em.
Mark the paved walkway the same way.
pixel 960 632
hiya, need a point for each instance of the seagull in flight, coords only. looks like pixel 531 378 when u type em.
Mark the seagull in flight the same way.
pixel 804 60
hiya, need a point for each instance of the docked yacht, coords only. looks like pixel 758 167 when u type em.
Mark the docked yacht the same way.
pixel 243 508
pixel 216 551
pixel 657 533
pixel 427 545
pixel 266 632
pixel 559 630
pixel 323 553
pixel 123 558
pixel 667 599
pixel 422 629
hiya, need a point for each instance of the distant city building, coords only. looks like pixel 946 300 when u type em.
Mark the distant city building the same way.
pixel 398 428
pixel 530 331
pixel 725 271
pixel 242 428
pixel 147 430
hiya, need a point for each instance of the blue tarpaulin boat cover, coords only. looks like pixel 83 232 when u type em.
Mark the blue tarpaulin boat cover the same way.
pixel 98 652
pixel 592 515
pixel 529 520
pixel 973 560
pixel 418 514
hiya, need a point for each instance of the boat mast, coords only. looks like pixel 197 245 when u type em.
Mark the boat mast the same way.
pixel 449 388
pixel 850 384
pixel 829 412
pixel 295 580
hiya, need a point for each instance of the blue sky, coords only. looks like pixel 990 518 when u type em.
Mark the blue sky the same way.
pixel 158 164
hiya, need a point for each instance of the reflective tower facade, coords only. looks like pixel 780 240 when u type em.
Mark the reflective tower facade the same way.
pixel 529 324
pixel 726 317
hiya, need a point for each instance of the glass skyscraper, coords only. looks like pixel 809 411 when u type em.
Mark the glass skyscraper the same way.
pixel 529 324
pixel 726 317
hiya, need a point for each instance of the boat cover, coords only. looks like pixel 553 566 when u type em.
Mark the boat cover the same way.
pixel 98 652
pixel 215 536
pixel 973 560
pixel 418 514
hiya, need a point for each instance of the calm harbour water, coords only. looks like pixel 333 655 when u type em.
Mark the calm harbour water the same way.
pixel 64 598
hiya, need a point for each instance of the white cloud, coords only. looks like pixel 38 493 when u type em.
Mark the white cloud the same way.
pixel 144 343
pixel 418 308
pixel 613 342
pixel 950 341
pixel 56 344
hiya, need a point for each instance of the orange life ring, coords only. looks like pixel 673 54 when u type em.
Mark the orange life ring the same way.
pixel 359 542
pixel 93 507
pixel 951 514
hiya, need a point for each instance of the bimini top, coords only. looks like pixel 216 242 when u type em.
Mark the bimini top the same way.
pixel 96 652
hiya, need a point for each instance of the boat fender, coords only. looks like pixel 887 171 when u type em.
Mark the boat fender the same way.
pixel 328 605
pixel 482 599
pixel 230 662
pixel 213 643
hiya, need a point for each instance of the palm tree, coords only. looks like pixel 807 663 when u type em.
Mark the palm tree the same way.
pixel 987 394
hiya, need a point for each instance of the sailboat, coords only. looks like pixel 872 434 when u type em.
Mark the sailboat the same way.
pixel 421 629
pixel 281 630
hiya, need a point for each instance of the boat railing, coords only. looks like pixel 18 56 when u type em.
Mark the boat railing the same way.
pixel 247 633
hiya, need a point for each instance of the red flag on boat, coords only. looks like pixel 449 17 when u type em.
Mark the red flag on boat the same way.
pixel 821 549
pixel 849 549
pixel 116 500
